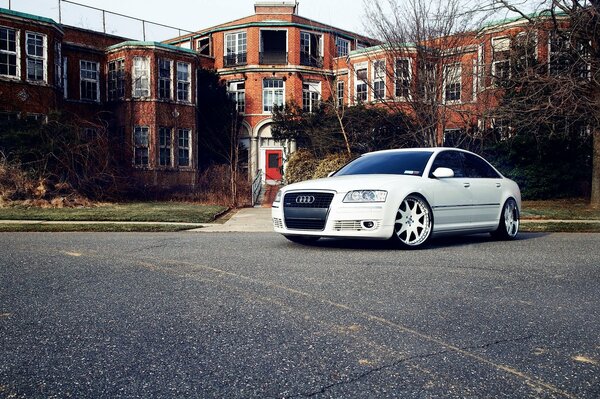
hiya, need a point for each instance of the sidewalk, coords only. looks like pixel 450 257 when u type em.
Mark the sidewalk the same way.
pixel 250 220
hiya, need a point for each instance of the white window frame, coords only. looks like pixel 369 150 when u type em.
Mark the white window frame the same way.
pixel 236 49
pixel 141 129
pixel 308 46
pixel 168 145
pixel 357 81
pixel 268 108
pixel 447 83
pixel 236 93
pixel 36 57
pixel 404 78
pixel 160 79
pixel 340 99
pixel 83 79
pixel 141 78
pixel 180 147
pixel 310 89
pixel 184 85
pixel 500 45
pixel 16 53
pixel 341 43
pixel 379 74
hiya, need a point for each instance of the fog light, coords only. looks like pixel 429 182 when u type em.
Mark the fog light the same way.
pixel 368 225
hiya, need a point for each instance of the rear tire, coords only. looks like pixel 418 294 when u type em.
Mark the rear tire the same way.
pixel 304 240
pixel 413 224
pixel 508 227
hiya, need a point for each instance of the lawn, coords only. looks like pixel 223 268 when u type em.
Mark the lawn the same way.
pixel 85 227
pixel 566 209
pixel 119 212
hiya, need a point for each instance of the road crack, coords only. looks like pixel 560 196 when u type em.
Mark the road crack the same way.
pixel 398 362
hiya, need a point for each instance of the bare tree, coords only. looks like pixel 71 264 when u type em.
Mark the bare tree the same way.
pixel 428 50
pixel 560 93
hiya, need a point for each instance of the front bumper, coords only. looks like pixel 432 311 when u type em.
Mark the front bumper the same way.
pixel 348 220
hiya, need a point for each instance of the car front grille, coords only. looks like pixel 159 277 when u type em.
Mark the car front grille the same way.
pixel 307 200
pixel 305 224
pixel 306 210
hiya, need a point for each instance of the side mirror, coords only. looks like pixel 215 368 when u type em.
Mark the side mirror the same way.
pixel 443 173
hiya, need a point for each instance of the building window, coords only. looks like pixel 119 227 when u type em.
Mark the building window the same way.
pixel 141 77
pixel 235 49
pixel 116 79
pixel 36 118
pixel 311 93
pixel 237 93
pixel 183 147
pixel 164 146
pixel 90 80
pixel 311 49
pixel 340 94
pixel 501 59
pixel 141 144
pixel 342 47
pixel 164 79
pixel 502 129
pixel 403 79
pixel 379 79
pixel 65 77
pixel 569 56
pixel 203 46
pixel 272 94
pixel 183 81
pixel 36 57
pixel 9 52
pixel 452 83
pixel 57 64
pixel 360 86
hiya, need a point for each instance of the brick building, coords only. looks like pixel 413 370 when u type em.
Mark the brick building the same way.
pixel 273 57
pixel 146 91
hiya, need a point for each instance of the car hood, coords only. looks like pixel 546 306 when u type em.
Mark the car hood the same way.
pixel 354 182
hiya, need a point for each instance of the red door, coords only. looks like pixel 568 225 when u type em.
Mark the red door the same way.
pixel 273 164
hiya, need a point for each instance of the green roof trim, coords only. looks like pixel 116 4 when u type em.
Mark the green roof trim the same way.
pixel 534 15
pixel 381 47
pixel 269 24
pixel 135 43
pixel 12 13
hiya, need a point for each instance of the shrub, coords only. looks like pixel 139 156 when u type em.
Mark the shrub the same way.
pixel 330 163
pixel 301 166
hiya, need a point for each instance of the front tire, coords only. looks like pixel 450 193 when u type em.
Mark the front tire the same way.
pixel 414 222
pixel 508 228
pixel 304 240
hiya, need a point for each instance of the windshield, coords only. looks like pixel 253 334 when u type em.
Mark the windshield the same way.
pixel 410 163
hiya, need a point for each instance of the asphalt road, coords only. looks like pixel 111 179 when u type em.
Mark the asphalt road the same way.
pixel 237 315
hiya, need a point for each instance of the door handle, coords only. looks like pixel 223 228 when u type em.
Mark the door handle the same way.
pixel 467 185
pixel 498 185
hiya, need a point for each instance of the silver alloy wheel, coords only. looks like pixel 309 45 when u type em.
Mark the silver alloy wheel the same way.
pixel 413 221
pixel 511 218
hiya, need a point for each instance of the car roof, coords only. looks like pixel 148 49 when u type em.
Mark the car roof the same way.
pixel 416 149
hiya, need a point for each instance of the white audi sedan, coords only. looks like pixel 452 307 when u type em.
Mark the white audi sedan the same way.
pixel 407 195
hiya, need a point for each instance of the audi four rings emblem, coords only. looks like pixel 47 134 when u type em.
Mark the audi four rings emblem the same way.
pixel 305 199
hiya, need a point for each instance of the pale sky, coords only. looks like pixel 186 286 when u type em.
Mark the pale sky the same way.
pixel 190 15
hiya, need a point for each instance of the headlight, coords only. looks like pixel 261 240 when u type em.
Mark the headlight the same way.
pixel 366 196
pixel 277 197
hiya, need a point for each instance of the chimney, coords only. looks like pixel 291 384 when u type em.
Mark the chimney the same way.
pixel 276 7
